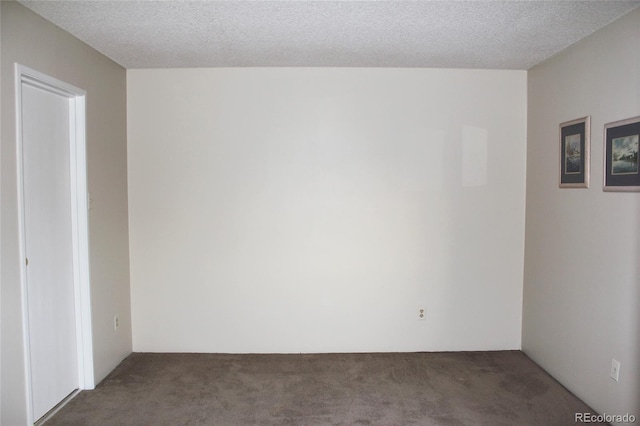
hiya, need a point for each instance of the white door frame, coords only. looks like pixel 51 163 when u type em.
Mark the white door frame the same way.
pixel 79 222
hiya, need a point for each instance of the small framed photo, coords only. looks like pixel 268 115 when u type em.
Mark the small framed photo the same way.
pixel 575 141
pixel 621 164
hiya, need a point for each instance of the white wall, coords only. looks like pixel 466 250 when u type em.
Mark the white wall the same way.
pixel 314 210
pixel 38 44
pixel 582 268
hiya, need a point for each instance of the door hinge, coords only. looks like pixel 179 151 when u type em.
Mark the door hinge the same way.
pixel 26 261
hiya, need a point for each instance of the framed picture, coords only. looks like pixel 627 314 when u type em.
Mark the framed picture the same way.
pixel 575 141
pixel 621 166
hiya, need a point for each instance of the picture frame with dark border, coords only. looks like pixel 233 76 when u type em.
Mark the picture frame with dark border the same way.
pixel 621 162
pixel 575 150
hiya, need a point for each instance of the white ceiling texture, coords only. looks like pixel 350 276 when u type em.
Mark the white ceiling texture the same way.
pixel 509 34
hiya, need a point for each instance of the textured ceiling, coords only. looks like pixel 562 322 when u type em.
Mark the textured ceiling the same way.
pixel 436 34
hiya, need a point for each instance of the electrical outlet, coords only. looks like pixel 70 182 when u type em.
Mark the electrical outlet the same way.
pixel 422 313
pixel 116 323
pixel 615 369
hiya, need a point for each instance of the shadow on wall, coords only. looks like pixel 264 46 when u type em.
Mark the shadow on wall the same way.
pixel 474 156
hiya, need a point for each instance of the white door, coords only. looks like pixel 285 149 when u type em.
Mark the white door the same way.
pixel 48 245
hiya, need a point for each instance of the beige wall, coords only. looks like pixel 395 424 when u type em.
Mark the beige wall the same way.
pixel 0 213
pixel 36 43
pixel 582 267
pixel 314 210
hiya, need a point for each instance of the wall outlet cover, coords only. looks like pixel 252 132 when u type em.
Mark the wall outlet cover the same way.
pixel 422 313
pixel 615 369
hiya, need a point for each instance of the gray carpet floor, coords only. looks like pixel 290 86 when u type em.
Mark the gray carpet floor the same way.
pixel 454 388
